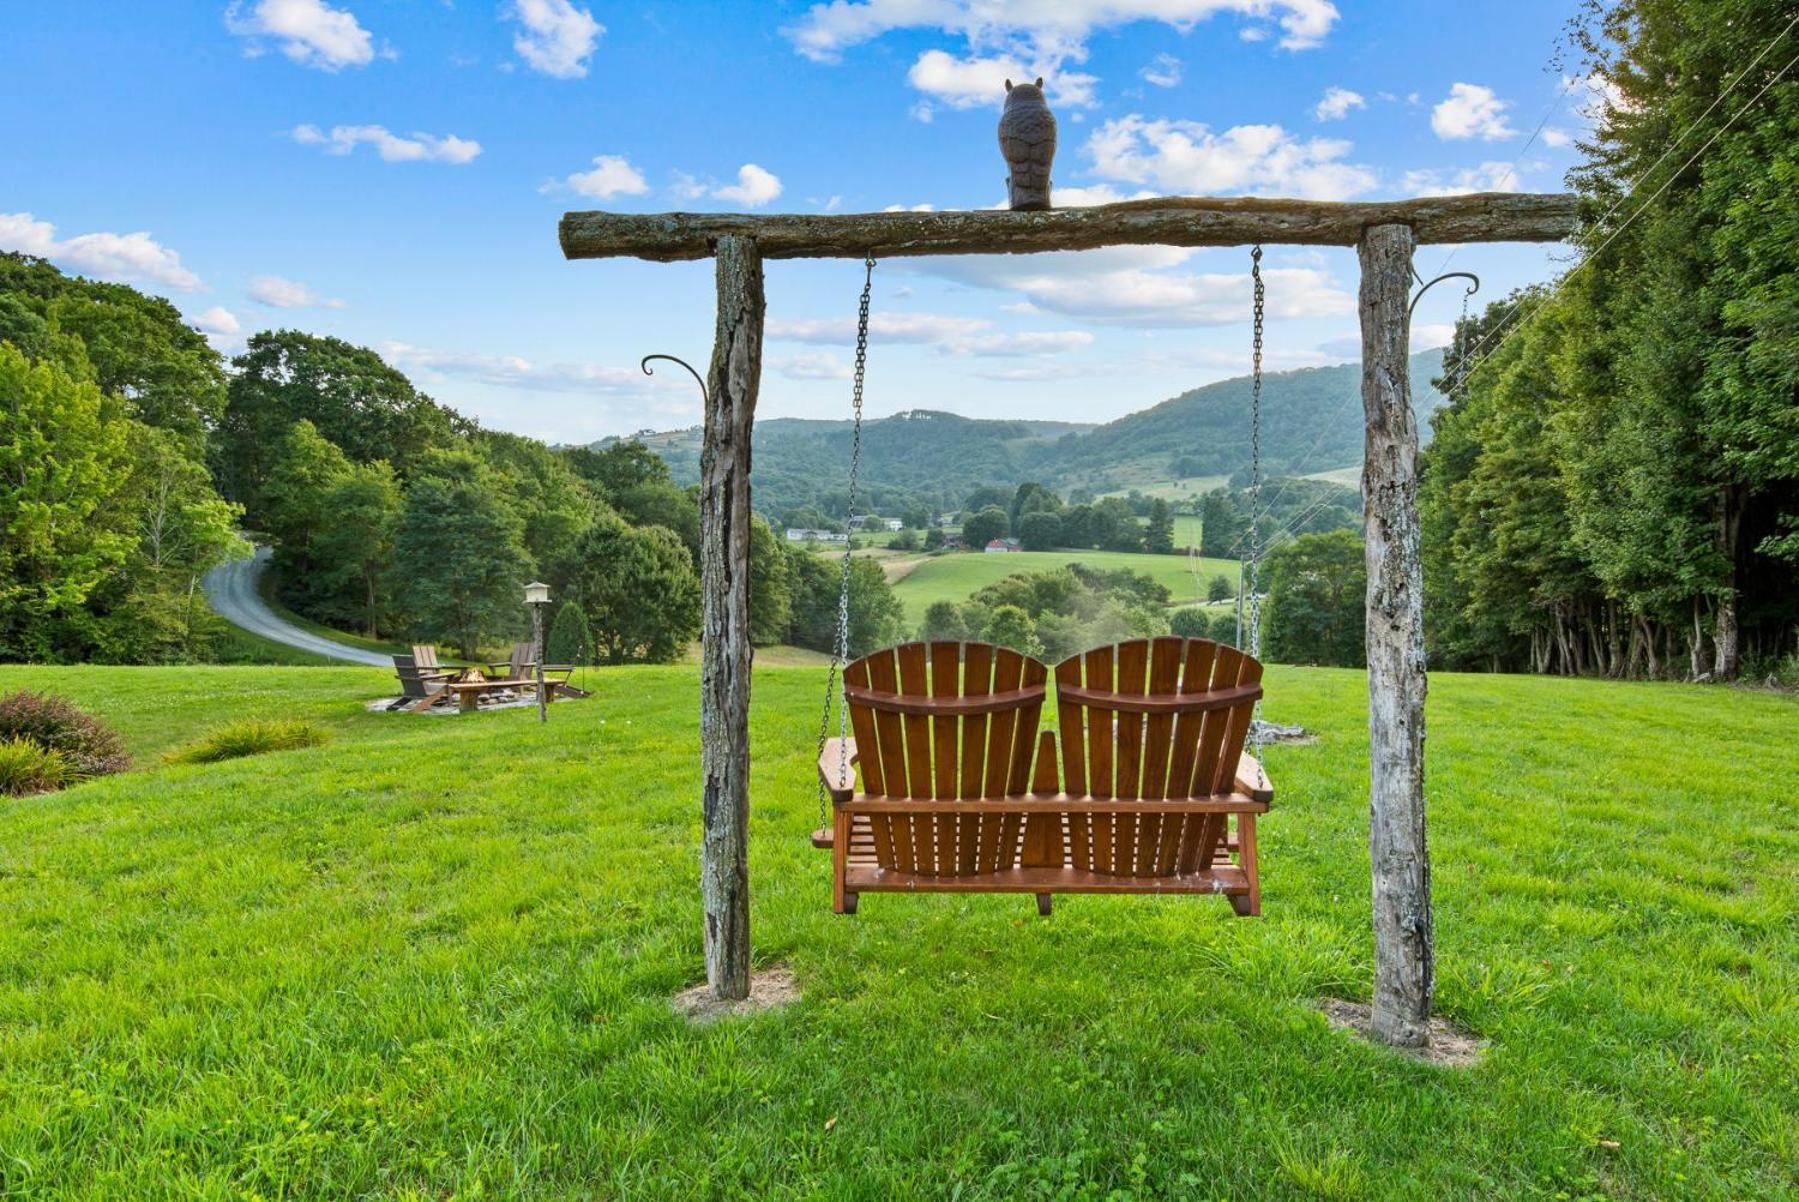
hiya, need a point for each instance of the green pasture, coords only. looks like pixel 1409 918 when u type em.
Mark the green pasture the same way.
pixel 432 959
pixel 959 575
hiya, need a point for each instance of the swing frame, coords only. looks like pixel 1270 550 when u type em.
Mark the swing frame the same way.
pixel 1384 235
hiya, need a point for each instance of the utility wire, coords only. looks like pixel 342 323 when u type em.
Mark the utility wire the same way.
pixel 1589 256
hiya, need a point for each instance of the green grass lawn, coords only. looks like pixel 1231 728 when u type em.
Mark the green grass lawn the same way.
pixel 432 959
pixel 958 576
pixel 1183 488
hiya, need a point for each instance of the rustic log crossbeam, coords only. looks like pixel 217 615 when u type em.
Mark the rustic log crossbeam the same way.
pixel 1384 234
pixel 1168 221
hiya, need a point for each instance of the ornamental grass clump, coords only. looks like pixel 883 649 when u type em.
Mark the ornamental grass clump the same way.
pixel 87 746
pixel 26 768
pixel 251 736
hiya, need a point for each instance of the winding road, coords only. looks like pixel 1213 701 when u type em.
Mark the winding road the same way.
pixel 232 590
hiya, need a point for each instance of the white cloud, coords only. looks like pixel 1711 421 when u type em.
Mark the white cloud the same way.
pixel 925 207
pixel 1557 139
pixel 1096 194
pixel 132 258
pixel 970 82
pixel 419 148
pixel 950 335
pixel 612 175
pixel 555 37
pixel 220 325
pixel 922 112
pixel 310 32
pixel 1054 26
pixel 1187 157
pixel 1471 111
pixel 754 188
pixel 1144 286
pixel 1336 104
pixel 1164 71
pixel 1488 177
pixel 278 292
pixel 812 365
pixel 1431 335
pixel 512 371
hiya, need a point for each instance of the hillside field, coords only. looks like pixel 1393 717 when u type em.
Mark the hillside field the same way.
pixel 956 577
pixel 433 959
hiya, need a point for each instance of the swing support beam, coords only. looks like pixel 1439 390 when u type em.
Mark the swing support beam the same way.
pixel 1384 235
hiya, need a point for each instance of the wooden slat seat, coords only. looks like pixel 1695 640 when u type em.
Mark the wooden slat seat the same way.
pixel 959 793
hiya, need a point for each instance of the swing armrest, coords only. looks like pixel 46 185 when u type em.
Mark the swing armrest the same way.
pixel 1252 780
pixel 844 789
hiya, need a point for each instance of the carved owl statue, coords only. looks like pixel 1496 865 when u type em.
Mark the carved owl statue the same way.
pixel 1027 137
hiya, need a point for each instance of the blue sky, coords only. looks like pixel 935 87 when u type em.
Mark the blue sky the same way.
pixel 392 171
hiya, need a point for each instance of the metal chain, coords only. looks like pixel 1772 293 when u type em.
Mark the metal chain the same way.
pixel 1255 490
pixel 841 652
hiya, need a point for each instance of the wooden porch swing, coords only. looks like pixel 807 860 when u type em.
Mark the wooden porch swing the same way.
pixel 1152 773
pixel 1384 234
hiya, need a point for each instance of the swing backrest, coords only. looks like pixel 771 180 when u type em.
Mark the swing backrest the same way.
pixel 1152 719
pixel 944 721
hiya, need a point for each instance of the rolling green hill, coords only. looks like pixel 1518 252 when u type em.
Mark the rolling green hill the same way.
pixel 1312 422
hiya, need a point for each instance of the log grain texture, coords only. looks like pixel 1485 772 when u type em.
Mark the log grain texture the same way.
pixel 732 383
pixel 1170 221
pixel 1404 964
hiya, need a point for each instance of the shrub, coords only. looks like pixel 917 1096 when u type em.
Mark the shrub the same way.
pixel 250 736
pixel 1191 624
pixel 87 745
pixel 569 641
pixel 26 768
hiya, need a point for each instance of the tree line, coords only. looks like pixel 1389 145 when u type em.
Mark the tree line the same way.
pixel 132 454
pixel 1614 487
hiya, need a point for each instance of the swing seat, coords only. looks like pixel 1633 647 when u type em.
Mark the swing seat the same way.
pixel 962 794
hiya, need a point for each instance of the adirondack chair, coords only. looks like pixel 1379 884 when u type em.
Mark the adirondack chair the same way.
pixel 425 656
pixel 523 666
pixel 950 801
pixel 420 688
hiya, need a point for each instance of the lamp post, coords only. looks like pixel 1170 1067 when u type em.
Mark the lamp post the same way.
pixel 537 596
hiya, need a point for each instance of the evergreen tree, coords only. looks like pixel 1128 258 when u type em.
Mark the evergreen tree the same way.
pixel 569 641
pixel 1158 537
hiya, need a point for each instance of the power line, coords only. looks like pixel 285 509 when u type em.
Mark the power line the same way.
pixel 1613 236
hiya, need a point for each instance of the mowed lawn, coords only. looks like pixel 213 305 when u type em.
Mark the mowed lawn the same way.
pixel 958 576
pixel 433 959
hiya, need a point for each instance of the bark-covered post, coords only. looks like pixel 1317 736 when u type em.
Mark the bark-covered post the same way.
pixel 1403 939
pixel 731 386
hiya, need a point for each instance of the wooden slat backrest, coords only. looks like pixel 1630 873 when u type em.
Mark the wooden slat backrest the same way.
pixel 1158 719
pixel 425 654
pixel 918 737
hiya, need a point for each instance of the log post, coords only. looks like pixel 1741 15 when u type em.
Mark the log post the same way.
pixel 1403 938
pixel 732 382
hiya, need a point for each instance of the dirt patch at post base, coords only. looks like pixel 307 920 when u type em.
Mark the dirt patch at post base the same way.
pixel 771 988
pixel 1449 1047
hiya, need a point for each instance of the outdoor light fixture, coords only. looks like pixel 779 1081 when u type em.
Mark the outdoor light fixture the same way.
pixel 537 596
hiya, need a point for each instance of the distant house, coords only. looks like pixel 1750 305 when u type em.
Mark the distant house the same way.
pixel 1001 546
pixel 801 534
pixel 952 542
pixel 895 525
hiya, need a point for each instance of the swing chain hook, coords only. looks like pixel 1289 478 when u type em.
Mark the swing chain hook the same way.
pixel 1473 287
pixel 697 378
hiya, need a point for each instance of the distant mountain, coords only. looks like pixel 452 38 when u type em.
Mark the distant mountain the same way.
pixel 1311 422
